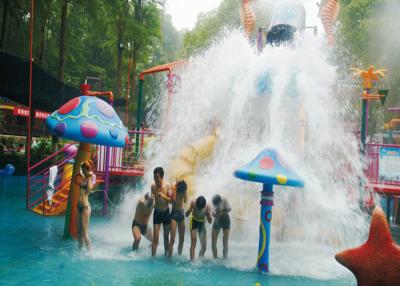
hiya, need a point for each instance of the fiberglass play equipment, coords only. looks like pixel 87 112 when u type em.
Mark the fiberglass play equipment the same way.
pixel 288 20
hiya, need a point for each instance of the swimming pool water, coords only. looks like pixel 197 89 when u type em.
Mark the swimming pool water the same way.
pixel 34 253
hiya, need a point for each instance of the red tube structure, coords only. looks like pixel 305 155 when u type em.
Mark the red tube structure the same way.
pixel 28 145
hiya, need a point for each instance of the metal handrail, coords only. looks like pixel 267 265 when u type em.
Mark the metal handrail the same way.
pixel 58 163
pixel 37 181
pixel 371 169
pixel 382 145
pixel 144 132
pixel 49 157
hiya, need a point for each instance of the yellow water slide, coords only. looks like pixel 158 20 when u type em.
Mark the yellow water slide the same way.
pixel 184 165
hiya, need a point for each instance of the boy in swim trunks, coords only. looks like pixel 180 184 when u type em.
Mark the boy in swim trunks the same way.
pixel 141 220
pixel 200 211
pixel 161 191
pixel 179 198
pixel 221 220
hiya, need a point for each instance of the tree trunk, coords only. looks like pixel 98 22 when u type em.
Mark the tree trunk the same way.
pixel 133 77
pixel 4 23
pixel 63 31
pixel 54 143
pixel 119 57
pixel 43 33
pixel 135 54
pixel 136 45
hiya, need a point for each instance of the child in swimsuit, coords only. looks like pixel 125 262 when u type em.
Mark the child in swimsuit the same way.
pixel 221 220
pixel 141 220
pixel 179 198
pixel 87 181
pixel 161 191
pixel 200 212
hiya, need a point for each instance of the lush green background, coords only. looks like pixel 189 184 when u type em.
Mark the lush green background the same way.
pixel 78 38
pixel 368 34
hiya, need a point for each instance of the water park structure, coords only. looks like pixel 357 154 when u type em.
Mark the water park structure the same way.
pixel 263 111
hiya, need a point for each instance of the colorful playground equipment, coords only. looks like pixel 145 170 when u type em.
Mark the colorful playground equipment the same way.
pixel 288 19
pixel 183 166
pixel 382 159
pixel 328 12
pixel 88 120
pixel 61 184
pixel 248 17
pixel 39 179
pixel 377 261
pixel 370 78
pixel 171 78
pixel 269 169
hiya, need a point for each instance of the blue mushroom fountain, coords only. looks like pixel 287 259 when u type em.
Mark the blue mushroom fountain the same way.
pixel 269 169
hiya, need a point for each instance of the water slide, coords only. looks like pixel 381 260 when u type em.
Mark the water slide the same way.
pixel 184 165
pixel 60 197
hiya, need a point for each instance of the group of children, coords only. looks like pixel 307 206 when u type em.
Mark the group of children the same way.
pixel 161 196
pixel 157 203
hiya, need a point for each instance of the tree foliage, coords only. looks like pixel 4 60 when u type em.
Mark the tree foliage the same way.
pixel 368 35
pixel 100 37
pixel 94 30
pixel 210 25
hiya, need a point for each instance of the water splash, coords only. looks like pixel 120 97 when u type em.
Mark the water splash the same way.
pixel 221 88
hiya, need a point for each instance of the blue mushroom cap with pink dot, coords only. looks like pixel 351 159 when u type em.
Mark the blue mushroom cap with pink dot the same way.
pixel 88 119
pixel 269 168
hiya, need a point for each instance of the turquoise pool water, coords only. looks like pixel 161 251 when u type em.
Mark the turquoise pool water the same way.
pixel 34 253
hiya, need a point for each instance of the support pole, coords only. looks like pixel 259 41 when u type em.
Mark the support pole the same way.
pixel 28 143
pixel 128 89
pixel 170 90
pixel 139 117
pixel 106 177
pixel 70 229
pixel 265 226
pixel 364 119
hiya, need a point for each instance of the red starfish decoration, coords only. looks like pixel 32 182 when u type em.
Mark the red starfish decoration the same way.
pixel 376 262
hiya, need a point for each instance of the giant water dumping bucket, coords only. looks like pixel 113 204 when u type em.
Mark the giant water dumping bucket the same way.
pixel 288 18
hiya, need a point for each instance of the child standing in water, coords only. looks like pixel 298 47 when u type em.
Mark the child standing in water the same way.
pixel 160 189
pixel 200 212
pixel 140 221
pixel 179 198
pixel 221 220
pixel 87 180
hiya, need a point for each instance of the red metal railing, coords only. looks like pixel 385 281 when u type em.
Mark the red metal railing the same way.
pixel 372 156
pixel 125 161
pixel 39 177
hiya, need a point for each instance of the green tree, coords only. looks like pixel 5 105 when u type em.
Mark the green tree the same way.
pixel 78 38
pixel 210 25
pixel 63 32
pixel 172 41
pixel 144 30
pixel 367 35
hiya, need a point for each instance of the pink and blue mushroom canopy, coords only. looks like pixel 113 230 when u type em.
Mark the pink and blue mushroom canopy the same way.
pixel 268 168
pixel 88 119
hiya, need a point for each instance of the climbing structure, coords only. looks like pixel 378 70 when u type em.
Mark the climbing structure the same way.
pixel 329 10
pixel 248 17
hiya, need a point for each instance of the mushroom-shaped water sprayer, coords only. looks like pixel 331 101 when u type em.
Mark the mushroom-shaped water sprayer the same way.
pixel 88 120
pixel 269 169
